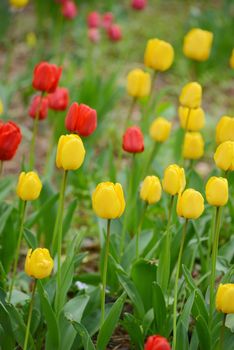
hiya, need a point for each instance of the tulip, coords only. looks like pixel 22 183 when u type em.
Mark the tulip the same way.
pixel 151 190
pixel 133 140
pixel 217 191
pixel 10 138
pixel 231 62
pixel 160 129
pixel 94 35
pixel 225 298
pixel 225 129
pixel 38 263
pixel 191 119
pixel 138 83
pixel 114 32
pixel 81 119
pixel 190 204
pixel 159 55
pixel 46 77
pixel 197 44
pixel 59 99
pixel 69 9
pixel 31 39
pixel 157 342
pixel 224 156
pixel 138 4
pixel 29 186
pixel 193 147
pixel 173 180
pixel 1 107
pixel 108 200
pixel 93 19
pixel 70 152
pixel 38 107
pixel 19 3
pixel 191 95
pixel 107 20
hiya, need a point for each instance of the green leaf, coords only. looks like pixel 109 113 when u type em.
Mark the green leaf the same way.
pixel 199 306
pixel 203 333
pixel 185 315
pixel 182 337
pixel 131 325
pixel 192 286
pixel 7 336
pixel 69 215
pixel 30 238
pixel 82 331
pixel 159 306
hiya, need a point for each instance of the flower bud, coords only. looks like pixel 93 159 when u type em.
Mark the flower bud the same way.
pixel 29 186
pixel 197 44
pixel 93 20
pixel 191 119
pixel 31 39
pixel 138 83
pixel 138 4
pixel 58 100
pixel 190 204
pixel 94 35
pixel 38 107
pixel 151 190
pixel 46 77
pixel 193 147
pixel 133 140
pixel 232 60
pixel 225 298
pixel 225 129
pixel 174 179
pixel 10 138
pixel 159 55
pixel 114 32
pixel 38 263
pixel 81 119
pixel 160 129
pixel 19 3
pixel 157 342
pixel 69 9
pixel 224 156
pixel 107 19
pixel 191 95
pixel 70 152
pixel 1 107
pixel 108 200
pixel 217 191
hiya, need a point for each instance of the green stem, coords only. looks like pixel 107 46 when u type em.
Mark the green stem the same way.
pixel 177 280
pixel 29 316
pixel 151 158
pixel 105 272
pixel 218 213
pixel 185 130
pixel 132 105
pixel 21 229
pixel 222 332
pixel 139 228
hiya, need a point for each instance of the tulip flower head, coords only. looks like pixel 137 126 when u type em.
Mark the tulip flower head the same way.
pixel 191 95
pixel 29 186
pixel 190 204
pixel 138 4
pixel 46 77
pixel 1 107
pixel 217 191
pixel 38 263
pixel 59 99
pixel 18 4
pixel 225 298
pixel 193 147
pixel 69 9
pixel 10 138
pixel 159 55
pixel 133 140
pixel 225 129
pixel 81 119
pixel 157 342
pixel 173 180
pixel 93 19
pixel 191 119
pixel 38 107
pixel 197 44
pixel 108 200
pixel 138 83
pixel 107 19
pixel 114 32
pixel 231 62
pixel 224 156
pixel 94 35
pixel 160 129
pixel 151 190
pixel 70 152
pixel 31 39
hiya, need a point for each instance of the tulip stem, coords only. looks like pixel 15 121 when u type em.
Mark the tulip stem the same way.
pixel 21 229
pixel 218 214
pixel 107 245
pixel 59 230
pixel 177 280
pixel 29 316
pixel 222 332
pixel 132 105
pixel 185 130
pixel 139 228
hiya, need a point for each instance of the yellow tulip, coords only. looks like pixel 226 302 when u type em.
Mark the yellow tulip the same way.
pixel 38 263
pixel 31 39
pixel 108 200
pixel 217 191
pixel 197 44
pixel 1 107
pixel 232 59
pixel 191 119
pixel 191 95
pixel 70 152
pixel 190 204
pixel 160 129
pixel 19 3
pixel 151 190
pixel 29 186
pixel 159 55
pixel 224 156
pixel 174 179
pixel 193 147
pixel 225 298
pixel 225 129
pixel 138 83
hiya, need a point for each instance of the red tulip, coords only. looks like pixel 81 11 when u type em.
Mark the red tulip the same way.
pixel 69 9
pixel 107 19
pixel 81 119
pixel 93 20
pixel 139 4
pixel 114 32
pixel 59 99
pixel 94 35
pixel 46 77
pixel 156 342
pixel 38 105
pixel 10 138
pixel 133 140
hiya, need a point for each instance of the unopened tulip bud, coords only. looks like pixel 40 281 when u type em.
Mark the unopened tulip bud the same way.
pixel 138 83
pixel 38 263
pixel 174 179
pixel 191 119
pixel 193 147
pixel 133 140
pixel 190 204
pixel 10 138
pixel 225 129
pixel 224 156
pixel 70 152
pixel 159 55
pixel 191 95
pixel 225 298
pixel 157 342
pixel 138 4
pixel 197 44
pixel 81 119
pixel 160 129
pixel 114 32
pixel 46 77
pixel 151 190
pixel 38 107
pixel 29 186
pixel 232 60
pixel 217 191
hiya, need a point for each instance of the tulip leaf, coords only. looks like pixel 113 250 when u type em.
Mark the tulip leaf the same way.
pixel 199 306
pixel 192 286
pixel 132 326
pixel 6 336
pixel 82 331
pixel 69 215
pixel 185 315
pixel 159 307
pixel 203 333
pixel 30 238
pixel 182 337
